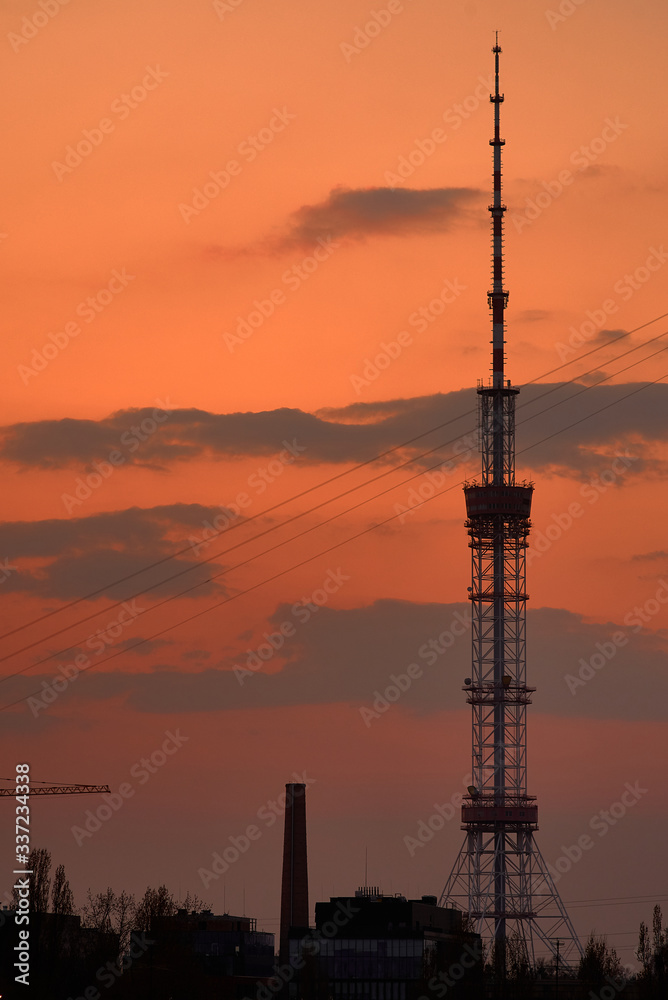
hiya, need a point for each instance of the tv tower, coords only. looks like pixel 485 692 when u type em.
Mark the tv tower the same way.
pixel 500 877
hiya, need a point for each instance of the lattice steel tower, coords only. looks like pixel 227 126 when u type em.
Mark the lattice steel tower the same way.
pixel 500 877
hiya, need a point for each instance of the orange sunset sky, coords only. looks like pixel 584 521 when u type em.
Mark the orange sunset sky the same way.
pixel 247 249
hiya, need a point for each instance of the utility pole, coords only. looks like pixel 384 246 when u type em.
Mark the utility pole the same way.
pixel 556 975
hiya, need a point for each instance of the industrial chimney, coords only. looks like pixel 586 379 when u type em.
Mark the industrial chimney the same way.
pixel 294 885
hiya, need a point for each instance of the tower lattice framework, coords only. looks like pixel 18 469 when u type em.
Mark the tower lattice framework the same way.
pixel 500 877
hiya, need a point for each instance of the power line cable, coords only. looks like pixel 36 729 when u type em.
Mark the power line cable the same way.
pixel 246 521
pixel 616 900
pixel 229 569
pixel 593 350
pixel 574 380
pixel 245 562
pixel 174 555
pixel 310 559
pixel 191 568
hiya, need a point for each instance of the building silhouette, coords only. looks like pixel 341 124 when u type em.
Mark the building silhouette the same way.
pixel 200 956
pixel 382 947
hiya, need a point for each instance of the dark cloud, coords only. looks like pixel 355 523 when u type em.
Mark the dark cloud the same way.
pixel 81 555
pixel 593 378
pixel 196 654
pixel 579 430
pixel 147 645
pixel 196 434
pixel 70 577
pixel 376 411
pixel 357 213
pixel 607 336
pixel 604 670
pixel 596 170
pixel 655 563
pixel 128 437
pixel 349 214
pixel 533 315
pixel 603 421
pixel 137 527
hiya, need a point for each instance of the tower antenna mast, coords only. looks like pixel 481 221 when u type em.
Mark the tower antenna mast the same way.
pixel 500 877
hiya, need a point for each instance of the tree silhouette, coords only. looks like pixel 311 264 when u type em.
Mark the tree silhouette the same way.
pixel 599 965
pixel 659 945
pixel 62 900
pixel 155 903
pixel 111 913
pixel 39 862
